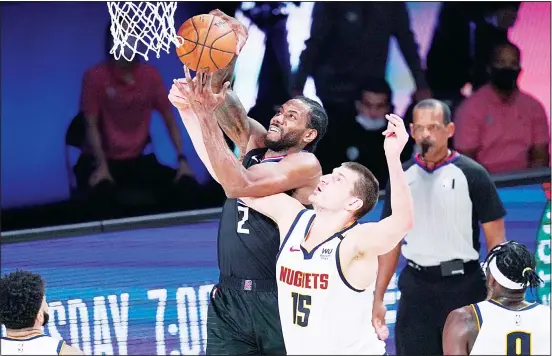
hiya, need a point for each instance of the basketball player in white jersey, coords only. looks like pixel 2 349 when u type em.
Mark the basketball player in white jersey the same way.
pixel 327 264
pixel 505 324
pixel 23 311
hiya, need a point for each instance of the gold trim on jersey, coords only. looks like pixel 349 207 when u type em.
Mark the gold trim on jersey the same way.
pixel 499 304
pixel 63 345
pixel 476 317
pixel 24 338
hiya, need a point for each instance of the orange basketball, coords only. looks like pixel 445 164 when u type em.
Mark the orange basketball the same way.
pixel 209 43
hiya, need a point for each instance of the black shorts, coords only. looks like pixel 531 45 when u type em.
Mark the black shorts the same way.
pixel 244 322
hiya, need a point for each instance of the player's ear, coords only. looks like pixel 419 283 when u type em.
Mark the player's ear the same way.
pixel 354 204
pixel 310 135
pixel 412 130
pixel 39 318
pixel 451 129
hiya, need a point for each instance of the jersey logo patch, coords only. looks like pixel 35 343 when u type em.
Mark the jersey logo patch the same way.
pixel 248 284
pixel 326 253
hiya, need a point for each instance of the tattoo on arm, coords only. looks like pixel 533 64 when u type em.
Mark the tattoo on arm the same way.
pixel 232 119
pixel 231 115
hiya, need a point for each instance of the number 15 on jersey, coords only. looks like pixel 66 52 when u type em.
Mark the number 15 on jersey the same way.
pixel 301 308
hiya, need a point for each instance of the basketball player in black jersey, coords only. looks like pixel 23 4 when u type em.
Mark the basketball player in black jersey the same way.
pixel 243 313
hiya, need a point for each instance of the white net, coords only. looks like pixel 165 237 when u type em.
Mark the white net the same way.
pixel 138 28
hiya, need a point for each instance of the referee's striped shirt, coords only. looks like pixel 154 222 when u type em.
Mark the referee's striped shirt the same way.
pixel 449 203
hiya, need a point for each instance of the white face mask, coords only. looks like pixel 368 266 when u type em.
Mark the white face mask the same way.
pixel 371 124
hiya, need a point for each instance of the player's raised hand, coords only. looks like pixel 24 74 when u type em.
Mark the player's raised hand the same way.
pixel 199 93
pixel 238 27
pixel 396 136
pixel 177 97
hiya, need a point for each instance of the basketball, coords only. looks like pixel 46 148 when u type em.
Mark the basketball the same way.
pixel 209 43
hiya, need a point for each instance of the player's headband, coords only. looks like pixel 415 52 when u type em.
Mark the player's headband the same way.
pixel 501 278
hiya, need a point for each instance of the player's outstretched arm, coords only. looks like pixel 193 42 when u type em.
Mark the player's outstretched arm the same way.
pixel 281 208
pixel 191 124
pixel 460 332
pixel 294 171
pixel 245 132
pixel 387 233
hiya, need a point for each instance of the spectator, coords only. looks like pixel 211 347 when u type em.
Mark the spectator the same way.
pixel 117 101
pixel 500 126
pixel 361 138
pixel 452 194
pixel 462 43
pixel 348 43
pixel 273 81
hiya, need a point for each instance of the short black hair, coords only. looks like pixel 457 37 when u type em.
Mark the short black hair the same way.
pixel 376 85
pixel 501 44
pixel 318 120
pixel 366 188
pixel 21 295
pixel 433 104
pixel 517 263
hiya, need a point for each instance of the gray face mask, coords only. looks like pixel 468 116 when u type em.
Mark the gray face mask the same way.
pixel 370 123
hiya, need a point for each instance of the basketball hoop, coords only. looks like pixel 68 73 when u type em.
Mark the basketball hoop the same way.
pixel 138 28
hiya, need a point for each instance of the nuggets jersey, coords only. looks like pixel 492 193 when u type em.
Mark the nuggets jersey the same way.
pixel 511 332
pixel 36 345
pixel 319 311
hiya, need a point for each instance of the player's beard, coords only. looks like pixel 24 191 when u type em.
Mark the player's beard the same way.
pixel 289 140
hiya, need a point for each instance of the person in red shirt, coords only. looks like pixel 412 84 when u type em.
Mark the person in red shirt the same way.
pixel 118 98
pixel 500 126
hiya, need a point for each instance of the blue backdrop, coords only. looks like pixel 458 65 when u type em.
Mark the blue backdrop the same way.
pixel 146 291
pixel 46 47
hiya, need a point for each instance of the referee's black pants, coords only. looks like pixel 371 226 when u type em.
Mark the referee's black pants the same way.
pixel 426 300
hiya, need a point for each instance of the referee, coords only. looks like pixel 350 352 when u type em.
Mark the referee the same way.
pixel 452 195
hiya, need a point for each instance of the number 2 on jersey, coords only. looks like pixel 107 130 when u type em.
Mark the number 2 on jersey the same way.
pixel 518 343
pixel 243 220
pixel 301 309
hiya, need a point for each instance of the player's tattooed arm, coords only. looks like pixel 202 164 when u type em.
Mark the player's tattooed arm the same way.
pixel 245 132
pixel 232 119
pixel 461 330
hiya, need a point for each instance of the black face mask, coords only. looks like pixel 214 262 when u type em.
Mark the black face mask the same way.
pixel 504 78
